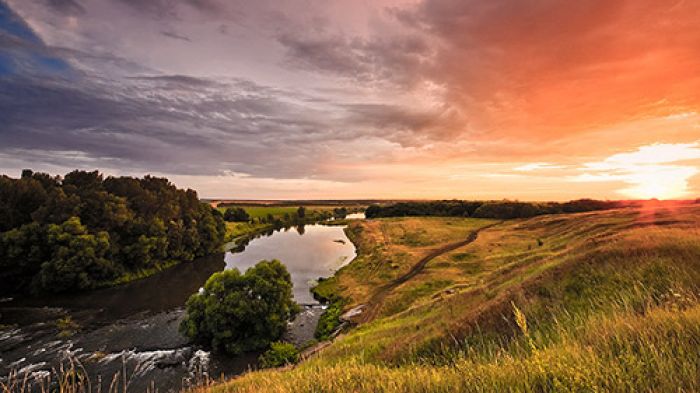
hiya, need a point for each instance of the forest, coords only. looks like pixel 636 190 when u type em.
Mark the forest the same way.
pixel 502 210
pixel 85 230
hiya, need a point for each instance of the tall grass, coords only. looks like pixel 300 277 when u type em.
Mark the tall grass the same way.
pixel 70 376
pixel 625 352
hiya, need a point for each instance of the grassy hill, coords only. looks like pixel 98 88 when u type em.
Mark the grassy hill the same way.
pixel 603 301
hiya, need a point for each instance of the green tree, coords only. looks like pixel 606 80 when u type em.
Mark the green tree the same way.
pixel 241 312
pixel 236 214
pixel 22 251
pixel 118 224
pixel 77 258
pixel 301 212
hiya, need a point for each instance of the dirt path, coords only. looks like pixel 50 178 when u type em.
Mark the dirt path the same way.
pixel 375 304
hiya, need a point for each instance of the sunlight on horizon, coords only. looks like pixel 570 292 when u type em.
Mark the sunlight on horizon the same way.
pixel 657 171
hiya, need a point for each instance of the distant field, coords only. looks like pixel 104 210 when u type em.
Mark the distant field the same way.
pixel 257 211
pixel 602 301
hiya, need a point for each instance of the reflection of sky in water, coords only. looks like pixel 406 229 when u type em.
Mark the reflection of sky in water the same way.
pixel 307 257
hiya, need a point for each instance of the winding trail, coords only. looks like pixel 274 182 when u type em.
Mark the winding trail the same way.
pixel 375 304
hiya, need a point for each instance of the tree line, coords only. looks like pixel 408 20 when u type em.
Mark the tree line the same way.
pixel 300 217
pixel 487 209
pixel 83 230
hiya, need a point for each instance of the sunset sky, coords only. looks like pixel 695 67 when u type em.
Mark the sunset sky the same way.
pixel 530 100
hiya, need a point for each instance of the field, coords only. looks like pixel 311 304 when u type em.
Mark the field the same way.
pixel 257 211
pixel 603 301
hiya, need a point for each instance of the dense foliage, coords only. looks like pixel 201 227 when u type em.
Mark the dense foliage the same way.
pixel 236 214
pixel 280 354
pixel 84 230
pixel 340 212
pixel 489 209
pixel 329 321
pixel 238 312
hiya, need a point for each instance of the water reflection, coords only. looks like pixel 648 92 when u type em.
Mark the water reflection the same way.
pixel 164 291
pixel 136 325
pixel 309 252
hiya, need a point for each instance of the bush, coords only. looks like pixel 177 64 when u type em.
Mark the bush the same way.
pixel 329 321
pixel 236 214
pixel 238 312
pixel 280 354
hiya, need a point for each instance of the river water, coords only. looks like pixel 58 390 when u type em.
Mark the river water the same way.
pixel 135 326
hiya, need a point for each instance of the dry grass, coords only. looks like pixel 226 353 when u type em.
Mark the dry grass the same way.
pixel 625 353
pixel 389 248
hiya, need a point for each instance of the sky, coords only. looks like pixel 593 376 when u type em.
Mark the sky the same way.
pixel 319 99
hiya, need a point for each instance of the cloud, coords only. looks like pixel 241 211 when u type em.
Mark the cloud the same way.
pixel 546 69
pixel 145 120
pixel 68 7
pixel 398 59
pixel 354 92
pixel 655 171
pixel 176 36
pixel 161 9
pixel 536 166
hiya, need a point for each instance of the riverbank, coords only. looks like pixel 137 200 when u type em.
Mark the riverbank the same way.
pixel 591 301
pixel 134 327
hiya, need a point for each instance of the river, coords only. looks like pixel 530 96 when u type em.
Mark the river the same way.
pixel 136 325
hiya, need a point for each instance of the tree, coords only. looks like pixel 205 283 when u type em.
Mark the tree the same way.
pixel 340 212
pixel 301 212
pixel 22 251
pixel 98 228
pixel 77 258
pixel 241 312
pixel 236 214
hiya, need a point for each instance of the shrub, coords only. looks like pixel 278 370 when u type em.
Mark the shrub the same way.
pixel 241 312
pixel 280 354
pixel 236 214
pixel 329 321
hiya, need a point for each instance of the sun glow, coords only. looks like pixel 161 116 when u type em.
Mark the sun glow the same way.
pixel 659 181
pixel 660 171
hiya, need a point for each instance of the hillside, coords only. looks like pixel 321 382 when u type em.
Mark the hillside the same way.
pixel 578 302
